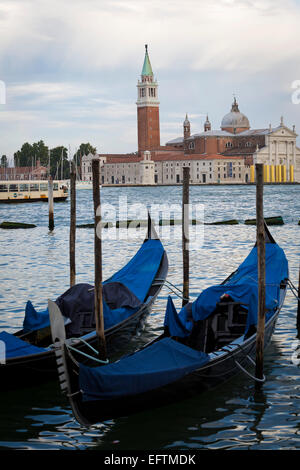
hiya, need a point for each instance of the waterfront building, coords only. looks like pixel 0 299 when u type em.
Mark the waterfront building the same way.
pixel 224 155
pixel 38 172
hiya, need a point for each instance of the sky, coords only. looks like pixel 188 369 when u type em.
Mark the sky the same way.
pixel 69 68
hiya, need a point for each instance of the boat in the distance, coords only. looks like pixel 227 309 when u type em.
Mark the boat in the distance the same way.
pixel 208 342
pixel 128 297
pixel 84 184
pixel 31 191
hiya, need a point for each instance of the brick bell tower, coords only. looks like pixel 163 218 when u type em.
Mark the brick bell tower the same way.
pixel 147 108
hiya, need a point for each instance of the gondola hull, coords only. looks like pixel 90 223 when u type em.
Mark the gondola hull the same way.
pixel 217 371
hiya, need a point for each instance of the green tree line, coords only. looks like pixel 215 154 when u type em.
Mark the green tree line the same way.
pixel 30 154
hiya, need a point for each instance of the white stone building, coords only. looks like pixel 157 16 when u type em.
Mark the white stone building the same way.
pixel 280 149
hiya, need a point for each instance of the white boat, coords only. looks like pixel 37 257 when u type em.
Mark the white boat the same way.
pixel 84 185
pixel 31 191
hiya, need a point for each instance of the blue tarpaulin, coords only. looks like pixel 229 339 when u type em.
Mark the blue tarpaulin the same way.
pixel 139 273
pixel 155 366
pixel 242 287
pixel 16 347
pixel 137 276
pixel 35 320
pixel 173 322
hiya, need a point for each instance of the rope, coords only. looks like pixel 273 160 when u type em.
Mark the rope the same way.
pixel 293 289
pixel 87 355
pixel 170 286
pixel 75 340
pixel 248 373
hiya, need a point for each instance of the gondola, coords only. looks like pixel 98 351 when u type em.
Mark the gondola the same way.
pixel 128 297
pixel 208 342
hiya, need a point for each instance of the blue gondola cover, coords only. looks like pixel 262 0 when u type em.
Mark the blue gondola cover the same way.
pixel 173 321
pixel 16 347
pixel 243 287
pixel 155 366
pixel 137 276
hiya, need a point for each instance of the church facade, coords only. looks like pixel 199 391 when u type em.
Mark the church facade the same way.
pixel 225 155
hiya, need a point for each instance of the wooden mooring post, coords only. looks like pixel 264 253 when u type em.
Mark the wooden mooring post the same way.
pixel 185 234
pixel 98 260
pixel 72 224
pixel 50 203
pixel 261 266
pixel 298 307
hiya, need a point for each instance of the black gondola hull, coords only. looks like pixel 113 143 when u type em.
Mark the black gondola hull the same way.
pixel 216 372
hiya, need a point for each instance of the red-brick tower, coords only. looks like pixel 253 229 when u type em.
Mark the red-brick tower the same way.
pixel 147 108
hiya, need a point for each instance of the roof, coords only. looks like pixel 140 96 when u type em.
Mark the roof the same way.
pixel 164 156
pixel 147 69
pixel 178 140
pixel 169 156
pixel 241 151
pixel 122 158
pixel 254 132
pixel 22 170
pixel 235 118
pixel 221 133
pixel 213 133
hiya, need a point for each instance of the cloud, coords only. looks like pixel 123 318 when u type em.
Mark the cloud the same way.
pixel 90 35
pixel 71 67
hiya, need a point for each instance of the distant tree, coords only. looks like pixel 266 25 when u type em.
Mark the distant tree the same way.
pixel 84 149
pixel 30 154
pixel 41 153
pixel 59 161
pixel 4 161
pixel 24 157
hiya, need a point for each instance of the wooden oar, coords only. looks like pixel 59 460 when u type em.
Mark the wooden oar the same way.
pixel 98 260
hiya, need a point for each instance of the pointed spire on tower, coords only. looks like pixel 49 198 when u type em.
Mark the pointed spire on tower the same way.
pixel 147 69
pixel 186 127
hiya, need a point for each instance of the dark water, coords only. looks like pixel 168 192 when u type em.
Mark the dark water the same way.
pixel 34 265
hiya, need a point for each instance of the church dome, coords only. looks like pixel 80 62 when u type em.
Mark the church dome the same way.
pixel 235 119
